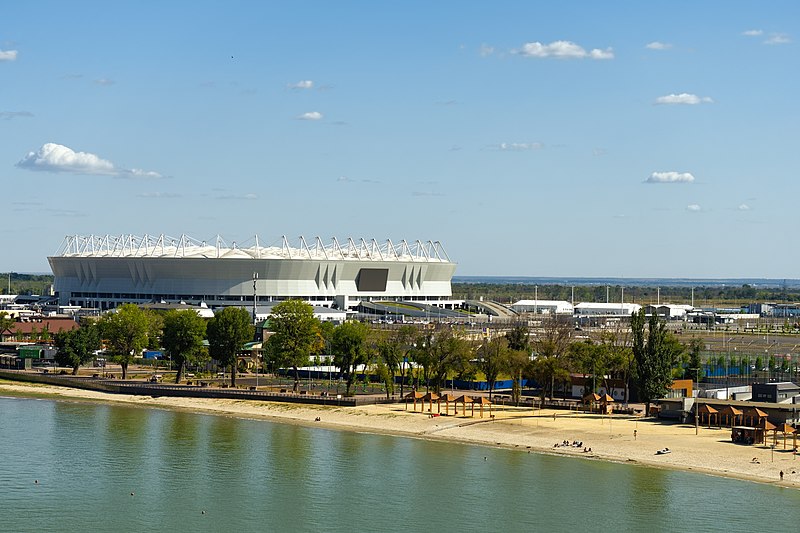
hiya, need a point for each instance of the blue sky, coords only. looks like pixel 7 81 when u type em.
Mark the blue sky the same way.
pixel 635 139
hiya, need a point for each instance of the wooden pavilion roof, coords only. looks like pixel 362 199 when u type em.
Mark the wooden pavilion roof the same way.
pixel 766 425
pixel 730 410
pixel 431 397
pixel 755 411
pixel 464 399
pixel 786 428
pixel 705 408
pixel 448 398
pixel 414 395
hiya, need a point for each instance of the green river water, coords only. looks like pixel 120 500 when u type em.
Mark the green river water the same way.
pixel 116 468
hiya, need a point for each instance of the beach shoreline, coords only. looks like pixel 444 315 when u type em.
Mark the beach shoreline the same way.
pixel 618 439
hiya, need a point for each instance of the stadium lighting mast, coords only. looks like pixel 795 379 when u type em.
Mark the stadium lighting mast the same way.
pixel 255 299
pixel 255 295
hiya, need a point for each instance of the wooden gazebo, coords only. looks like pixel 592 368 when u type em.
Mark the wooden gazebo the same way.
pixel 447 399
pixel 464 399
pixel 763 426
pixel 430 398
pixel 606 406
pixel 754 415
pixel 591 400
pixel 708 411
pixel 413 395
pixel 483 400
pixel 731 415
pixel 786 429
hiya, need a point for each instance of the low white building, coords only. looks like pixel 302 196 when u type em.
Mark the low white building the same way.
pixel 606 309
pixel 669 311
pixel 543 307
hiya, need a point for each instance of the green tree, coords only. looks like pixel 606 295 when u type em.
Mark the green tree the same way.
pixel 492 359
pixel 76 347
pixel 182 337
pixel 653 355
pixel 518 357
pixel 296 335
pixel 517 338
pixel 6 325
pixel 128 331
pixel 551 345
pixel 349 347
pixel 696 347
pixel 227 332
pixel 441 352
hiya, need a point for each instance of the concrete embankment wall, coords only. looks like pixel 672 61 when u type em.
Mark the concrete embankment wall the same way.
pixel 186 391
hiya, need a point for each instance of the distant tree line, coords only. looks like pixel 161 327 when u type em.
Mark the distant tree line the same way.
pixel 26 284
pixel 510 292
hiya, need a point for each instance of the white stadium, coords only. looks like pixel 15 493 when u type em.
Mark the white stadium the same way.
pixel 106 271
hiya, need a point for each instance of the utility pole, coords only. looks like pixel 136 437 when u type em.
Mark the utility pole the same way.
pixel 255 295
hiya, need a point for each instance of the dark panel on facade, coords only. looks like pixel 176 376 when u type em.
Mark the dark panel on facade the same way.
pixel 372 279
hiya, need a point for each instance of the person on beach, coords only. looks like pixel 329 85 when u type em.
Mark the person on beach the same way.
pixel 634 434
pixel 781 474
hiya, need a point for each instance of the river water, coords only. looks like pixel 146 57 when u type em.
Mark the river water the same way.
pixel 90 467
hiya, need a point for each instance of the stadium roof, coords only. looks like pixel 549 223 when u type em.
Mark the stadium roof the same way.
pixel 163 246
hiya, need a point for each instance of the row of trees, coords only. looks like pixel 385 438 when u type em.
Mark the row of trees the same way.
pixel 180 333
pixel 649 357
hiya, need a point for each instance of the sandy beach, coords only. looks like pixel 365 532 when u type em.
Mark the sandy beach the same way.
pixel 610 439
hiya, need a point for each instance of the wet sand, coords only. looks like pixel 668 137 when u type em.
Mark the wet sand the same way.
pixel 610 438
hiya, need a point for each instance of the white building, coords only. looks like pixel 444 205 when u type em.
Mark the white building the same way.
pixel 606 309
pixel 105 271
pixel 543 307
pixel 669 311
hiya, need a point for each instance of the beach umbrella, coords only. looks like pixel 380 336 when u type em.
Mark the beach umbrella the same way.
pixel 785 429
pixel 430 398
pixel 464 399
pixel 484 401
pixel 447 399
pixel 413 395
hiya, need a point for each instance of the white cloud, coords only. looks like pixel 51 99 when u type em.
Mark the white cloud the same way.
pixel 8 115
pixel 656 45
pixel 311 115
pixel 8 55
pixel 105 82
pixel 693 208
pixel 248 196
pixel 752 33
pixel 563 50
pixel 778 38
pixel 670 177
pixel 139 174
pixel 743 207
pixel 519 147
pixel 302 84
pixel 52 157
pixel 486 50
pixel 683 98
pixel 158 195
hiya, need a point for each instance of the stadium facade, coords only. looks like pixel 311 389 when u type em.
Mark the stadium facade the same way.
pixel 107 271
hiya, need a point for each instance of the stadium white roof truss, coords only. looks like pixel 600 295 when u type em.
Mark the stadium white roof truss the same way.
pixel 128 245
